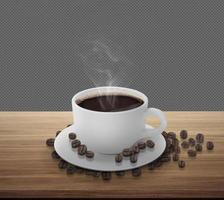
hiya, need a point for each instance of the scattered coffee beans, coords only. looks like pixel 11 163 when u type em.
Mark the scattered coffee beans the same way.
pixel 126 152
pixel 192 153
pixel 57 133
pixel 210 145
pixel 76 143
pixel 62 164
pixel 120 173
pixel 82 150
pixel 198 147
pixel 118 158
pixel 136 172
pixel 150 143
pixel 71 169
pixel 200 138
pixel 185 145
pixel 72 136
pixel 54 155
pixel 141 145
pixel 50 142
pixel 134 158
pixel 89 154
pixel 191 142
pixel 171 135
pixel 183 134
pixel 175 157
pixel 106 175
pixel 181 164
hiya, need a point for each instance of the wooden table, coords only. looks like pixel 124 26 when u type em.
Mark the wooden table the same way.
pixel 27 169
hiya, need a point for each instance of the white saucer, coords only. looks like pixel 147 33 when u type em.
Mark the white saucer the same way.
pixel 102 162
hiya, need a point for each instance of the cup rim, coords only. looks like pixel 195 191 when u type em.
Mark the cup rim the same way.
pixel 144 98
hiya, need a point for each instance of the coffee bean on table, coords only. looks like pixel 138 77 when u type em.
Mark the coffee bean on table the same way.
pixel 200 138
pixel 82 150
pixel 185 145
pixel 181 164
pixel 79 169
pixel 57 133
pixel 171 135
pixel 118 158
pixel 134 158
pixel 165 158
pixel 198 147
pixel 127 152
pixel 92 173
pixel 54 155
pixel 136 172
pixel 72 136
pixel 210 145
pixel 151 166
pixel 191 153
pixel 177 149
pixel 50 142
pixel 120 173
pixel 158 164
pixel 106 175
pixel 150 143
pixel 175 157
pixel 135 149
pixel 89 154
pixel 71 169
pixel 183 134
pixel 191 142
pixel 76 143
pixel 141 145
pixel 62 164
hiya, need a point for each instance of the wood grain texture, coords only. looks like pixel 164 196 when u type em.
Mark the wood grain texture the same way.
pixel 27 170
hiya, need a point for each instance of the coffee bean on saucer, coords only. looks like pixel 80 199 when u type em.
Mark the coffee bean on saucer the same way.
pixel 120 173
pixel 71 169
pixel 191 142
pixel 175 157
pixel 50 142
pixel 118 158
pixel 200 138
pixel 135 149
pixel 191 153
pixel 181 164
pixel 136 172
pixel 69 125
pixel 183 134
pixel 171 135
pixel 62 164
pixel 76 143
pixel 56 134
pixel 198 147
pixel 141 145
pixel 150 143
pixel 134 158
pixel 72 136
pixel 126 152
pixel 89 154
pixel 54 155
pixel 185 145
pixel 210 145
pixel 82 150
pixel 106 176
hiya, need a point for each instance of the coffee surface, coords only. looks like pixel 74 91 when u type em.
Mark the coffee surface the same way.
pixel 111 103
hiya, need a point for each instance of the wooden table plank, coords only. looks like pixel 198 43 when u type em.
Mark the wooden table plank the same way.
pixel 27 170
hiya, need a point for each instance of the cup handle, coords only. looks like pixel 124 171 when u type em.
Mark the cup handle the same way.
pixel 163 122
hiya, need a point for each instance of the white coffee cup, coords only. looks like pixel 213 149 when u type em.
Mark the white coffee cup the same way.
pixel 110 132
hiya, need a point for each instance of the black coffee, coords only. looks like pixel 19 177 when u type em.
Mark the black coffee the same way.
pixel 111 103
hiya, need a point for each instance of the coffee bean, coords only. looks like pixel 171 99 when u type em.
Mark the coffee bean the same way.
pixel 71 169
pixel 210 145
pixel 135 149
pixel 120 173
pixel 50 142
pixel 106 176
pixel 158 163
pixel 198 147
pixel 82 150
pixel 181 164
pixel 76 143
pixel 200 138
pixel 54 155
pixel 133 158
pixel 126 152
pixel 175 142
pixel 150 143
pixel 191 142
pixel 185 145
pixel 89 154
pixel 141 145
pixel 57 133
pixel 183 134
pixel 62 164
pixel 118 158
pixel 136 172
pixel 171 135
pixel 79 169
pixel 175 157
pixel 72 136
pixel 192 153
pixel 92 173
pixel 165 159
pixel 177 150
pixel 164 133
pixel 151 166
pixel 69 125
